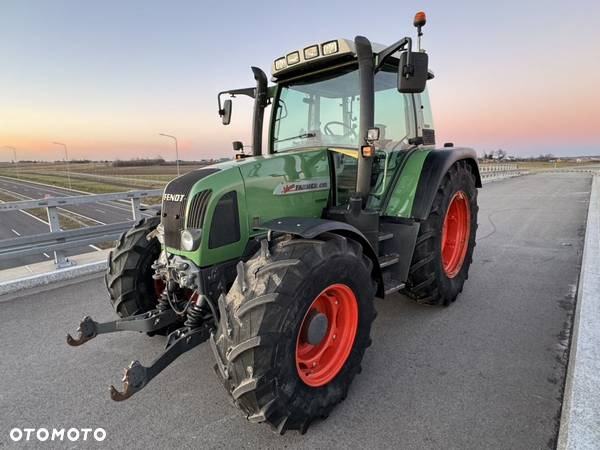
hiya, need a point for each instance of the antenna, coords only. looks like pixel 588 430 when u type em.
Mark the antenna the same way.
pixel 419 22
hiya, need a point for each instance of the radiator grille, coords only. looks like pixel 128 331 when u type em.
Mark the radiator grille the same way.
pixel 173 205
pixel 197 209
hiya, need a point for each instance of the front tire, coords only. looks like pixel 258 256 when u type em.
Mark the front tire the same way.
pixel 129 276
pixel 444 249
pixel 262 344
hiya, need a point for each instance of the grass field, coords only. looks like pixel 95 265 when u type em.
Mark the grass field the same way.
pixel 95 178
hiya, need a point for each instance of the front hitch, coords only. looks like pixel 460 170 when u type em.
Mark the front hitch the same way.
pixel 137 376
pixel 147 322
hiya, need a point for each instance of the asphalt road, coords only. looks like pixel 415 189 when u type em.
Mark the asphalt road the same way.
pixel 21 223
pixel 486 372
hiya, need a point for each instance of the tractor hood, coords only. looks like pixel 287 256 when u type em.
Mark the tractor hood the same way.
pixel 223 204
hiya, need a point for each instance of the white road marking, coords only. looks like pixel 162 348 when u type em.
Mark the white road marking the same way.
pixel 119 207
pixel 82 216
pixel 34 217
pixel 62 209
pixel 95 248
pixel 15 231
pixel 46 255
pixel 29 214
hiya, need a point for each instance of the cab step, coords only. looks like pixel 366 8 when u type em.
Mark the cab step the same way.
pixel 390 285
pixel 397 286
pixel 383 236
pixel 388 260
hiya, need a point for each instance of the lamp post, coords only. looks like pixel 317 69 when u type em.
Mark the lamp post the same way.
pixel 14 158
pixel 67 161
pixel 176 149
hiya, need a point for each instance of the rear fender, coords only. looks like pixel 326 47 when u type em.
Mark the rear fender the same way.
pixel 310 228
pixel 435 166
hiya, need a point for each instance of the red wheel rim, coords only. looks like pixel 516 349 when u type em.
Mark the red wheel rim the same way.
pixel 455 234
pixel 318 364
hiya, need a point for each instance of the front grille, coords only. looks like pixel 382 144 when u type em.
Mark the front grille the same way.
pixel 174 201
pixel 197 209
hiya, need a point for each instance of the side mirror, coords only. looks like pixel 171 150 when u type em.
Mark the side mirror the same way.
pixel 226 112
pixel 412 77
pixel 238 146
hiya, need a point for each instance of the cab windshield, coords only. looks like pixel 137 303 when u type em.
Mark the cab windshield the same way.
pixel 324 111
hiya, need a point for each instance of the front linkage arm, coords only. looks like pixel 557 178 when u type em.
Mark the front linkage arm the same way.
pixel 193 332
pixel 137 376
pixel 146 322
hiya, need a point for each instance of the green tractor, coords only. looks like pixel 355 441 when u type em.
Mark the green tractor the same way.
pixel 275 257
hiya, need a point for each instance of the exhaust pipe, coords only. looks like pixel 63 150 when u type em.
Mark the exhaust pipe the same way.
pixel 366 73
pixel 260 102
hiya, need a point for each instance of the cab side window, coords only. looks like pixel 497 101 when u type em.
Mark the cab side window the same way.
pixel 426 127
pixel 393 111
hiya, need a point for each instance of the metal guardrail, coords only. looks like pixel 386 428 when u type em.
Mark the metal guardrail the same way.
pixel 60 240
pixel 592 170
pixel 491 171
pixel 57 240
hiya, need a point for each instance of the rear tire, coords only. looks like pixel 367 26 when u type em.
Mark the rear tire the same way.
pixel 129 276
pixel 259 332
pixel 435 279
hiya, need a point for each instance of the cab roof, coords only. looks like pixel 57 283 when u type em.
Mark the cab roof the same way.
pixel 319 55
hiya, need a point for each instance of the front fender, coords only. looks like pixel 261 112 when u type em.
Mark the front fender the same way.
pixel 310 228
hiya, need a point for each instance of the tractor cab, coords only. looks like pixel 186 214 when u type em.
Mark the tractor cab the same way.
pixel 322 110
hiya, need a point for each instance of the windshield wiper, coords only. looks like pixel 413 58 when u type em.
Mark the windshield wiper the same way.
pixel 300 136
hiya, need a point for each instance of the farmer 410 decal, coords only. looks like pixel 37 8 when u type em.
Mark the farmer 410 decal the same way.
pixel 295 187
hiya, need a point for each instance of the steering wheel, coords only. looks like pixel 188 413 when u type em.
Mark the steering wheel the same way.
pixel 328 131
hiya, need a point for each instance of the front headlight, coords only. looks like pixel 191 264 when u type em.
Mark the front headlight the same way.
pixel 190 238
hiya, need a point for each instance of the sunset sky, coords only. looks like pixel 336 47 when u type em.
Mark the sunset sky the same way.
pixel 106 77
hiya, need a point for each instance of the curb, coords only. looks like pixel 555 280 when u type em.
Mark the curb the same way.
pixel 580 418
pixel 44 279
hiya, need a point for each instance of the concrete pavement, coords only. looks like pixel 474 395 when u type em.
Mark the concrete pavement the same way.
pixel 487 372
